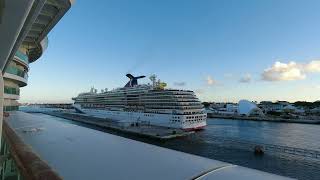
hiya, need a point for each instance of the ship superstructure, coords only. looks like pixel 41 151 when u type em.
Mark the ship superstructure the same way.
pixel 147 103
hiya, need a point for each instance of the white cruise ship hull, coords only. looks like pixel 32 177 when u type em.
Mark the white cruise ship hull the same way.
pixel 185 122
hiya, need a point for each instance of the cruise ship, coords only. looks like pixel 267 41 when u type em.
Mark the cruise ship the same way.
pixel 151 104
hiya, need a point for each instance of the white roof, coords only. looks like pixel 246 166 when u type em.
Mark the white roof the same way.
pixel 246 107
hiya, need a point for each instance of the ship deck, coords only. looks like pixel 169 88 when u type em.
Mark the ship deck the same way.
pixel 77 152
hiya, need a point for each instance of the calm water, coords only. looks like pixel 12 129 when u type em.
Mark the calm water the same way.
pixel 294 135
pixel 206 143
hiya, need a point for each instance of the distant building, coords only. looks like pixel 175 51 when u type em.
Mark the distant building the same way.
pixel 248 108
pixel 217 106
pixel 224 108
pixel 281 107
pixel 289 108
pixel 267 106
pixel 232 108
pixel 315 110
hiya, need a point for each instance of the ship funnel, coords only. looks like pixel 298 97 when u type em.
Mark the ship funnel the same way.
pixel 133 80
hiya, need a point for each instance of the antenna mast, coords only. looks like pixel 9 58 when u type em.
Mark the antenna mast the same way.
pixel 153 78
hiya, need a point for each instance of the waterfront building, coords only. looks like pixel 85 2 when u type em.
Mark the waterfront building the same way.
pixel 315 111
pixel 217 105
pixel 248 108
pixel 278 106
pixel 231 107
pixel 244 107
pixel 226 109
pixel 290 109
pixel 223 108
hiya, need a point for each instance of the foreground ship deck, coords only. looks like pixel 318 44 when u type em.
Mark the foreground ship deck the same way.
pixel 80 153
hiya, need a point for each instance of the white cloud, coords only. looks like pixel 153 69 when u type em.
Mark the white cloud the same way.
pixel 246 78
pixel 313 66
pixel 291 71
pixel 283 72
pixel 211 81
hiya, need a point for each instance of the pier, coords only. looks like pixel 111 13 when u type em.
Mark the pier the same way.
pixel 138 129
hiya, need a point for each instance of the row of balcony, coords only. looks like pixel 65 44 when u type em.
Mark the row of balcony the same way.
pixel 11 90
pixel 10 108
pixel 15 71
pixel 23 57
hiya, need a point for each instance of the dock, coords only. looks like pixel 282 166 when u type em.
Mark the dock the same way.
pixel 137 129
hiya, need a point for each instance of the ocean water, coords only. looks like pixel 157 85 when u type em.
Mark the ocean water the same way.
pixel 207 143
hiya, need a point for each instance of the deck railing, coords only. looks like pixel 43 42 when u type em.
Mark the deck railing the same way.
pixel 19 161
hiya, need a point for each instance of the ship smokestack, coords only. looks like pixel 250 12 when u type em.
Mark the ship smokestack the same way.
pixel 133 80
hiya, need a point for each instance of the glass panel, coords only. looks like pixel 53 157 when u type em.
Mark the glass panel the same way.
pixel 44 44
pixel 11 90
pixel 11 108
pixel 16 71
pixel 22 56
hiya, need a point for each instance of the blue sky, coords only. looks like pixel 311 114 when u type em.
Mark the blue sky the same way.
pixel 224 50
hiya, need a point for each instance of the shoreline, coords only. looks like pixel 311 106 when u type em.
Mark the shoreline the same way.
pixel 268 119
